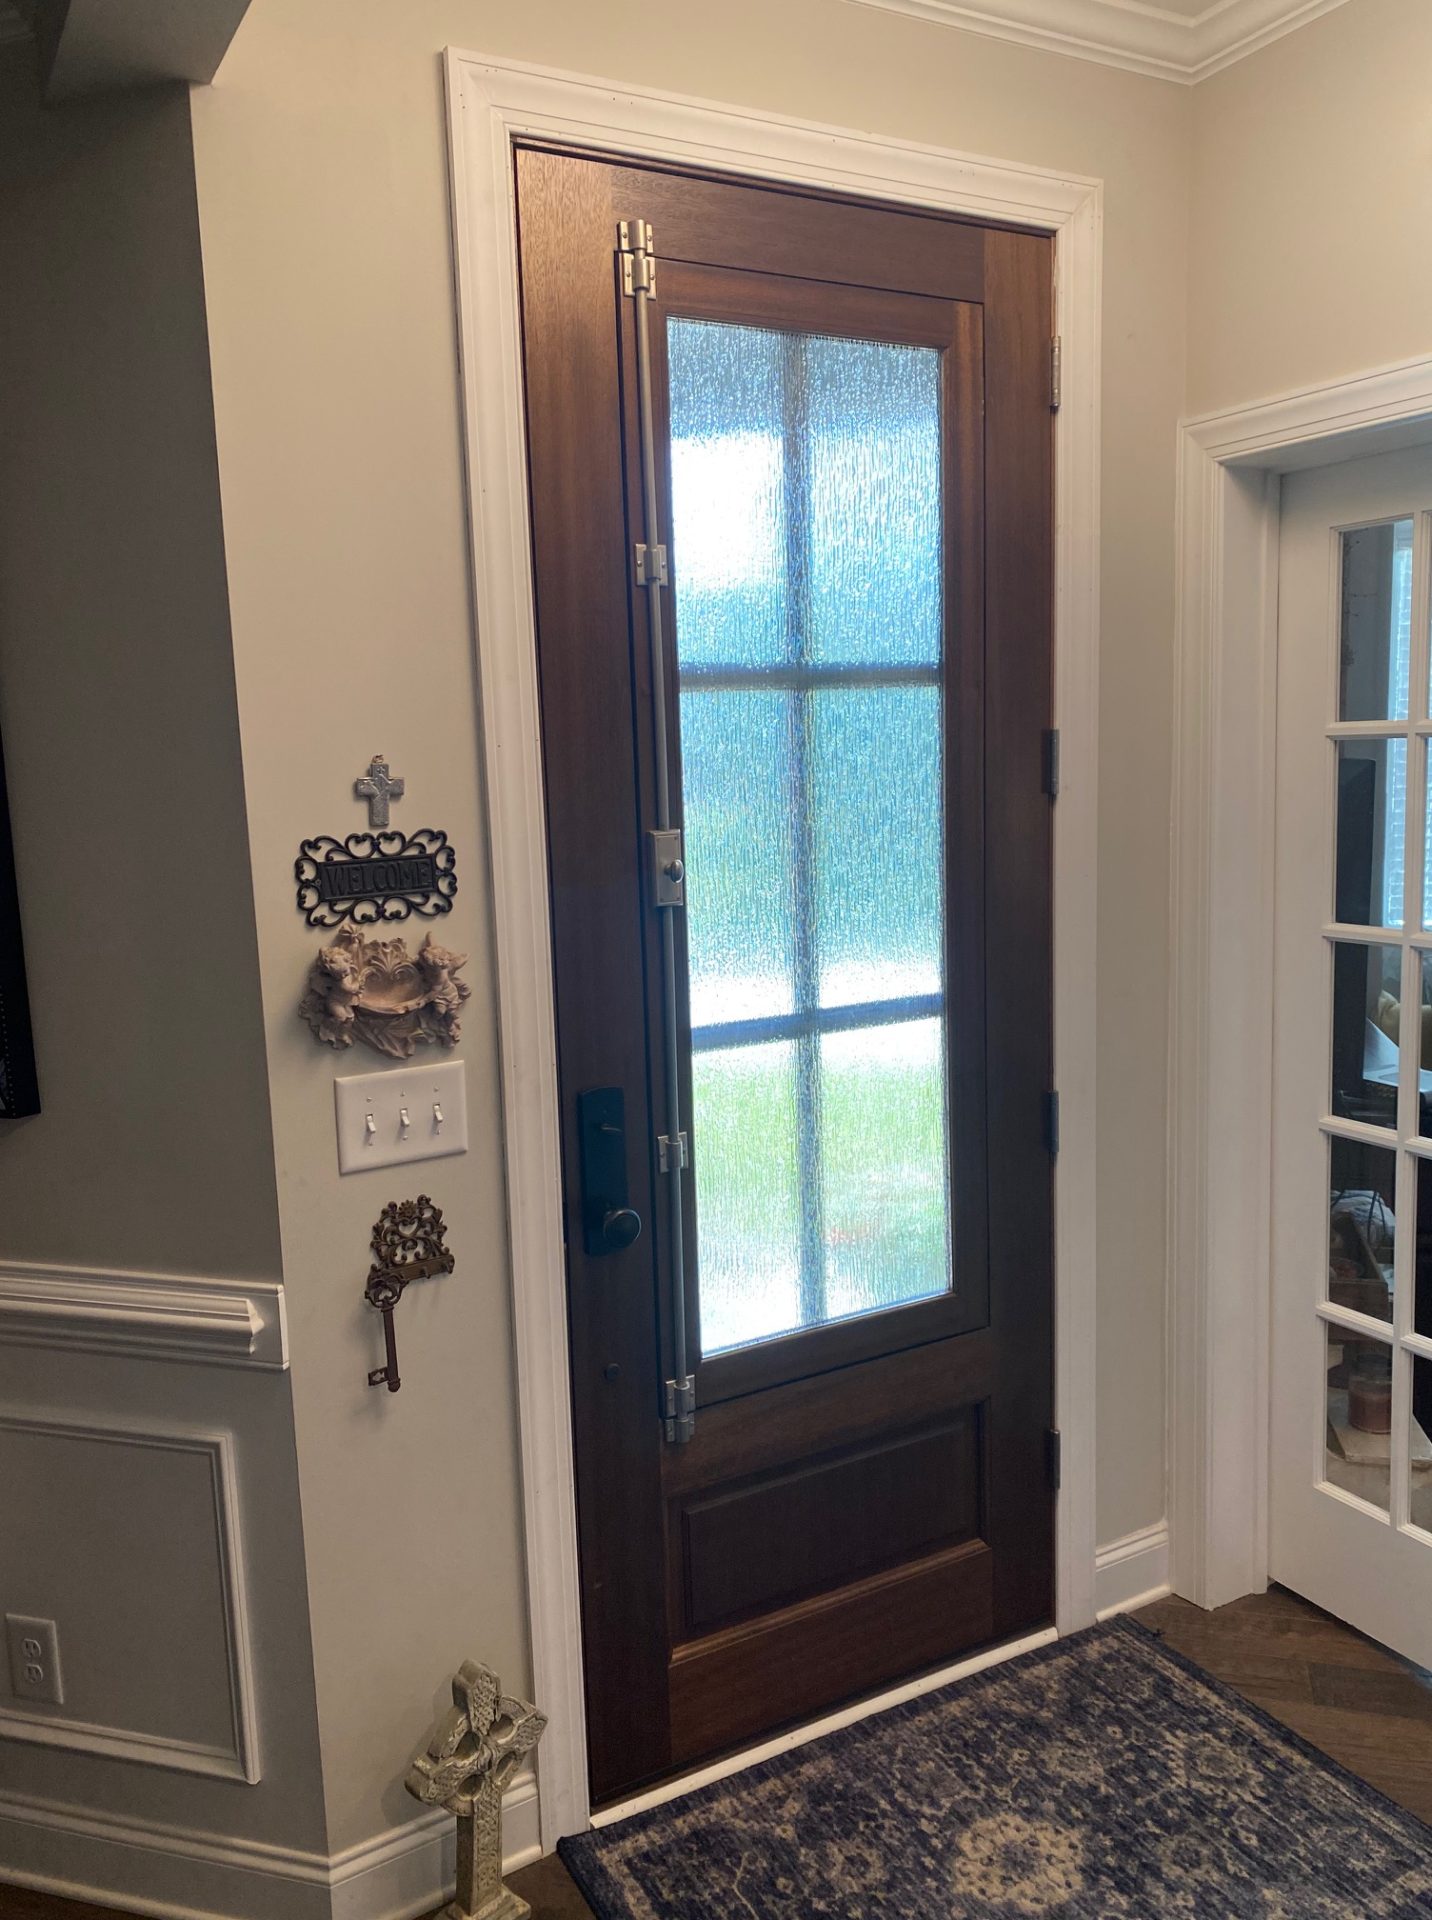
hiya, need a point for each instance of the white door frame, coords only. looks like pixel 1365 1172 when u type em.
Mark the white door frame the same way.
pixel 489 101
pixel 1221 971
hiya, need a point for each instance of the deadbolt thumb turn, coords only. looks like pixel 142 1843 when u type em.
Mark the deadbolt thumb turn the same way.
pixel 608 1223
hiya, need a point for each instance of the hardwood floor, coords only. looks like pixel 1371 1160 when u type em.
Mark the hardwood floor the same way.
pixel 1341 1692
pixel 1345 1694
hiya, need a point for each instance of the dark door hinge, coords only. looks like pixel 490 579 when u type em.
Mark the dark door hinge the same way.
pixel 1051 1123
pixel 1051 762
pixel 679 1406
pixel 1053 1450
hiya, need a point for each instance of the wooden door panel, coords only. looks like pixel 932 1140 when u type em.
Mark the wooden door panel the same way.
pixel 787 1534
pixel 735 1686
pixel 870 1499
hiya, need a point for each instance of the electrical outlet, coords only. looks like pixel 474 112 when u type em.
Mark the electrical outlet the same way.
pixel 34 1658
pixel 414 1112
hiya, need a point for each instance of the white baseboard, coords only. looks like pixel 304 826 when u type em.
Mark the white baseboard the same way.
pixel 1131 1572
pixel 182 1875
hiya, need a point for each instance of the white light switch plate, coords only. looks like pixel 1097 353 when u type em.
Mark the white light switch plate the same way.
pixel 369 1108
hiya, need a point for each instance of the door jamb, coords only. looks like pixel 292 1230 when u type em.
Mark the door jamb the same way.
pixel 1221 972
pixel 489 101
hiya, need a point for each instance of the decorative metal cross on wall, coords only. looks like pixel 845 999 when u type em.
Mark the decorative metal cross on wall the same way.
pixel 475 1750
pixel 377 786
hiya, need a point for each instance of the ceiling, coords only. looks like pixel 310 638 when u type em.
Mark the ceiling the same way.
pixel 1183 40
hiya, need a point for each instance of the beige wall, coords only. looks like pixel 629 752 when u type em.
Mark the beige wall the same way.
pixel 323 208
pixel 1312 206
pixel 153 1150
pixel 117 704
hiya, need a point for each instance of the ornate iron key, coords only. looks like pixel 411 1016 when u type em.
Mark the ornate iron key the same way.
pixel 408 1244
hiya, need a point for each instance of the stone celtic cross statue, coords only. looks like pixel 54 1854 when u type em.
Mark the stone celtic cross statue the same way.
pixel 475 1750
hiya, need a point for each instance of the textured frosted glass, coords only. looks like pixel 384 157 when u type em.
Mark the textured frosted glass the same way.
pixel 747 1219
pixel 877 842
pixel 728 533
pixel 874 454
pixel 883 1158
pixel 807 562
pixel 805 477
pixel 736 774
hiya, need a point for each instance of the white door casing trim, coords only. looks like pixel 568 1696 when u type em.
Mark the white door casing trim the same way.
pixel 1221 970
pixel 489 102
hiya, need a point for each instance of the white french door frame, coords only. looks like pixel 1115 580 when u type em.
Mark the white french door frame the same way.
pixel 491 101
pixel 1220 1166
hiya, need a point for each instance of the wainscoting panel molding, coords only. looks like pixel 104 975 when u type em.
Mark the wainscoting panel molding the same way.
pixel 236 1757
pixel 179 1873
pixel 148 1316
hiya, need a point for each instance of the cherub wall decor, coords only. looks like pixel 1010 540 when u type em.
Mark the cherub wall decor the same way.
pixel 377 992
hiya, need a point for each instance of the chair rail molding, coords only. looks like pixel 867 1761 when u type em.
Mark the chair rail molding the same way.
pixel 149 1316
pixel 490 102
pixel 1183 43
pixel 1221 904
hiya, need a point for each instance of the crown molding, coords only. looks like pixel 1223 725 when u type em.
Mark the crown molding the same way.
pixel 1126 33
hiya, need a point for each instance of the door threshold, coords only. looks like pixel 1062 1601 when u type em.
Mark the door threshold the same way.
pixel 812 1730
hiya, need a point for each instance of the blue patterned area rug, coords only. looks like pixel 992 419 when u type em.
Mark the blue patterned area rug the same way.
pixel 1101 1776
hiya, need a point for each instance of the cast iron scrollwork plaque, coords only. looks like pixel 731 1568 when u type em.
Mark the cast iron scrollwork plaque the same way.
pixel 367 877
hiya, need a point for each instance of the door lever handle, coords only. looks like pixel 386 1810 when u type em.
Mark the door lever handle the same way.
pixel 609 1222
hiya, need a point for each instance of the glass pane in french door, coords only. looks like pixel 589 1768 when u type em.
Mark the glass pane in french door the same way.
pixel 1375 1305
pixel 807 552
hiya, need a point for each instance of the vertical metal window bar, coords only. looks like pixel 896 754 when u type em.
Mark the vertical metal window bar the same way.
pixel 634 244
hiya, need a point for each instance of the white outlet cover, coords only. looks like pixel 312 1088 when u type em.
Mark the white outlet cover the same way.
pixel 369 1109
pixel 34 1658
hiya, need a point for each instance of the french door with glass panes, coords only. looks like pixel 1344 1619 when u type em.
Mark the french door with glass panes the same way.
pixel 790 463
pixel 1351 1484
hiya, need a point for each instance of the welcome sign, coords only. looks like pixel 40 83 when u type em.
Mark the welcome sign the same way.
pixel 367 877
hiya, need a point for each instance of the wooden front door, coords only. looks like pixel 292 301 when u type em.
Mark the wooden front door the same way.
pixel 791 479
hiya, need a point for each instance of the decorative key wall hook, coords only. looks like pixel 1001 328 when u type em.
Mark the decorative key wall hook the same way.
pixel 409 1243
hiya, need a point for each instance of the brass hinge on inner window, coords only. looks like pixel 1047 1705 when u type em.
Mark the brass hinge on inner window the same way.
pixel 635 245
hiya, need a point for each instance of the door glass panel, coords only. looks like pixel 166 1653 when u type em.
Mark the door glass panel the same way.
pixel 1371 831
pixel 876 844
pixel 748 1217
pixel 1420 1444
pixel 736 769
pixel 1362 1228
pixel 882 1112
pixel 807 552
pixel 1366 1022
pixel 1376 628
pixel 1418 1032
pixel 1422 1262
pixel 1359 1405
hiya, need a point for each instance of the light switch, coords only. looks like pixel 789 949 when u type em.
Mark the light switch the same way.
pixel 414 1112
